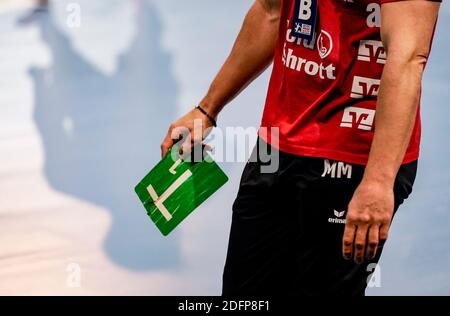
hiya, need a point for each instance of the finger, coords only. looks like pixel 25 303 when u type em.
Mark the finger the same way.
pixel 196 140
pixel 372 242
pixel 197 133
pixel 207 147
pixel 197 152
pixel 180 136
pixel 360 243
pixel 175 135
pixel 384 232
pixel 185 148
pixel 348 240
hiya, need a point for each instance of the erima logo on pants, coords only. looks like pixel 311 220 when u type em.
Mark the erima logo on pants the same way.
pixel 338 217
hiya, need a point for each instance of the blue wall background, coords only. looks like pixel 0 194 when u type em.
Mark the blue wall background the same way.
pixel 101 99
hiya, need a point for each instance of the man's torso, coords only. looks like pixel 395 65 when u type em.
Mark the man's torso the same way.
pixel 322 95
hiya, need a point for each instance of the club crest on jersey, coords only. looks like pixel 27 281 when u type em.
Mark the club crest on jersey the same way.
pixel 324 44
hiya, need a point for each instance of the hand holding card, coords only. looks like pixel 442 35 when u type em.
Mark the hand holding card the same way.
pixel 175 188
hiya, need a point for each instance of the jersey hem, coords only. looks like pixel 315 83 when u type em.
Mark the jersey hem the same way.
pixel 331 154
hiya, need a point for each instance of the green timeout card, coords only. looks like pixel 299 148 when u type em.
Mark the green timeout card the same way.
pixel 175 188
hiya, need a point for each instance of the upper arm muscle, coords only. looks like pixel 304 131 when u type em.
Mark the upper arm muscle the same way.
pixel 271 6
pixel 407 28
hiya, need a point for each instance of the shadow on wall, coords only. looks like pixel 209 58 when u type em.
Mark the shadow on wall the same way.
pixel 101 134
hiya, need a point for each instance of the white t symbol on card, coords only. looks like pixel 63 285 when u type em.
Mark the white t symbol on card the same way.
pixel 159 200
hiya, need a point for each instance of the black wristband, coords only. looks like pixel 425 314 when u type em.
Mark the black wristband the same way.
pixel 211 119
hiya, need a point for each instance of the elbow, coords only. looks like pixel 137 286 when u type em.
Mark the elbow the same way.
pixel 273 17
pixel 272 9
pixel 415 59
pixel 409 53
pixel 419 59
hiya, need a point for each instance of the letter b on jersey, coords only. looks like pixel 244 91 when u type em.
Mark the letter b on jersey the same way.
pixel 305 10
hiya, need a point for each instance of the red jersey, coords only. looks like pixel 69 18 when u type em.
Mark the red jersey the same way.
pixel 323 93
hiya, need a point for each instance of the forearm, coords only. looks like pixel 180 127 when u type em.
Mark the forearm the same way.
pixel 252 53
pixel 396 116
pixel 406 31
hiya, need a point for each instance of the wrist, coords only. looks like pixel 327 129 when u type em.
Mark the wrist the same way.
pixel 210 107
pixel 211 119
pixel 379 178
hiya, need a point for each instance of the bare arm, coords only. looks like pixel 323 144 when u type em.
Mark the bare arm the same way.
pixel 252 53
pixel 407 30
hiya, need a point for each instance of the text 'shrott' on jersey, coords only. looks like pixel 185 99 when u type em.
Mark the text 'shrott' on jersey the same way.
pixel 322 94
